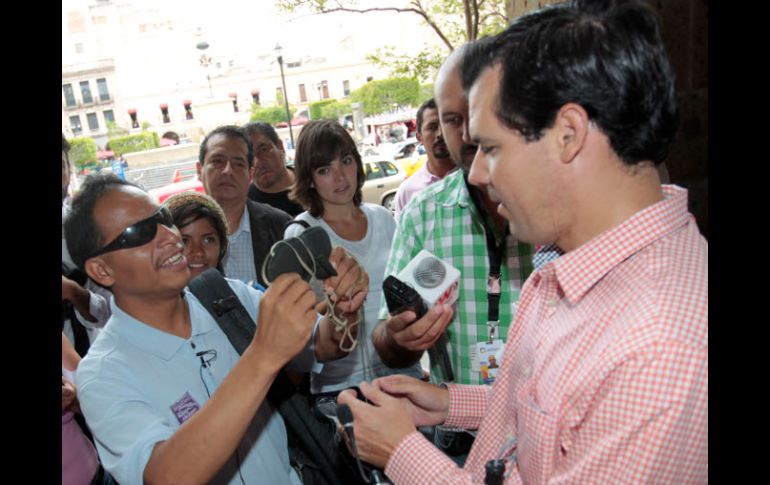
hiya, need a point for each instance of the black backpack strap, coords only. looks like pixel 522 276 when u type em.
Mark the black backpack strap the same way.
pixel 216 295
pixel 296 221
pixel 218 298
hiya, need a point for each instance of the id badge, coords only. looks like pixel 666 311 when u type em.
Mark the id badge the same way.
pixel 486 358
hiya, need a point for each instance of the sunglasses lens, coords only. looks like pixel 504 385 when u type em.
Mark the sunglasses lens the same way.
pixel 140 233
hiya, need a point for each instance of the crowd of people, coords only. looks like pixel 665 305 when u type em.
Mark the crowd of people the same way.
pixel 578 344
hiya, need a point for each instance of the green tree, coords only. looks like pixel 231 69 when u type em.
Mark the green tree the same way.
pixel 315 108
pixel 146 140
pixel 426 92
pixel 452 21
pixel 336 110
pixel 83 152
pixel 270 114
pixel 387 94
pixel 114 130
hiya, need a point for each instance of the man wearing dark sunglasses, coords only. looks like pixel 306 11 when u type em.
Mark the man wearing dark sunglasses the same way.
pixel 162 389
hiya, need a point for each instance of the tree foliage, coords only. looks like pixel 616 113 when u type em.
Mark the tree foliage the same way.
pixel 82 152
pixel 453 22
pixel 145 140
pixel 315 108
pixel 114 130
pixel 270 114
pixel 422 65
pixel 387 94
pixel 336 110
pixel 426 92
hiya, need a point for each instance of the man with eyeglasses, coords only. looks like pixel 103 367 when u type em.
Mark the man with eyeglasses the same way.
pixel 272 177
pixel 225 167
pixel 165 394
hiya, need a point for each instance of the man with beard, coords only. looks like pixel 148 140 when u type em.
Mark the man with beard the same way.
pixel 457 223
pixel 438 163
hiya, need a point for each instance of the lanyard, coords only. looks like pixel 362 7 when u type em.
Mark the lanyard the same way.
pixel 495 254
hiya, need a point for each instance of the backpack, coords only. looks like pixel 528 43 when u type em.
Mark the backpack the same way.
pixel 311 440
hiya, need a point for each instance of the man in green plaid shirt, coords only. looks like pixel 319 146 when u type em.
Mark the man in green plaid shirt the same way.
pixel 445 219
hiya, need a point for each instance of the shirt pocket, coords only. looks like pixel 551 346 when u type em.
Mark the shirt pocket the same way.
pixel 537 433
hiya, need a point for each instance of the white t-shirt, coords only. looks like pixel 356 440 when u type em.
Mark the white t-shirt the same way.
pixel 363 363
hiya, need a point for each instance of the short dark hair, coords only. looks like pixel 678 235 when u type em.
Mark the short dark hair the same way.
pixel 80 230
pixel 486 51
pixel 608 57
pixel 229 131
pixel 188 207
pixel 65 147
pixel 429 104
pixel 262 128
pixel 320 142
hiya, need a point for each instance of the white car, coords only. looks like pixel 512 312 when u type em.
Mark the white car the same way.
pixel 383 177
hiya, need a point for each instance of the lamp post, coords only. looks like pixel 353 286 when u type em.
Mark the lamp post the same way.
pixel 278 50
pixel 205 62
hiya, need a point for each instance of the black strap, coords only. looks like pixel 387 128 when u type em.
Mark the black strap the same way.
pixel 296 221
pixel 218 298
pixel 79 333
pixel 495 254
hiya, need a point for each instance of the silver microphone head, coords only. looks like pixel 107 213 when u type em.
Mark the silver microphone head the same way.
pixel 429 273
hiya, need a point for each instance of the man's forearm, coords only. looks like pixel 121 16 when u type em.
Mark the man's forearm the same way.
pixel 392 354
pixel 201 446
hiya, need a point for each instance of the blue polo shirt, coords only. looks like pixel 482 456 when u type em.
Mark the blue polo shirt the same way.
pixel 138 384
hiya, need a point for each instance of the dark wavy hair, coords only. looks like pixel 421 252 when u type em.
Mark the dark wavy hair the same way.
pixel 320 142
pixel 605 55
pixel 262 128
pixel 80 229
pixel 229 131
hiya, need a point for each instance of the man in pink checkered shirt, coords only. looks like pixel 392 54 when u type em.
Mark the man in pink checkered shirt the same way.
pixel 604 377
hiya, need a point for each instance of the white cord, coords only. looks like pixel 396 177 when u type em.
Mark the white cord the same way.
pixel 341 324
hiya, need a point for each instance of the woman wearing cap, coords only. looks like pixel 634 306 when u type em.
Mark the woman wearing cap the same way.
pixel 204 230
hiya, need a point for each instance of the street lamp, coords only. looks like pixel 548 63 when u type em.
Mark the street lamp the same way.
pixel 205 62
pixel 278 49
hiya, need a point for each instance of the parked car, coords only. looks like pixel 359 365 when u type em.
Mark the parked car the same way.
pixel 411 164
pixel 182 174
pixel 383 178
pixel 163 193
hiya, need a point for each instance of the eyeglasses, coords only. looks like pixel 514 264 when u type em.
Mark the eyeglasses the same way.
pixel 140 233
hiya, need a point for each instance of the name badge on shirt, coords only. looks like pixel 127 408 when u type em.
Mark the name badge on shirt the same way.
pixel 486 358
pixel 185 407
